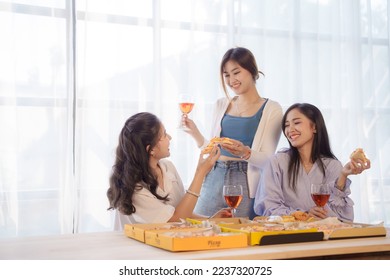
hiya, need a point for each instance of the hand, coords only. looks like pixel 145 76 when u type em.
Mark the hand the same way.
pixel 223 213
pixel 190 125
pixel 355 167
pixel 318 212
pixel 236 148
pixel 206 162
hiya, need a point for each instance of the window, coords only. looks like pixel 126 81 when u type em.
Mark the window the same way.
pixel 73 71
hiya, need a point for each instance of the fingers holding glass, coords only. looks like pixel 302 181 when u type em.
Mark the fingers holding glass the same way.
pixel 320 193
pixel 186 104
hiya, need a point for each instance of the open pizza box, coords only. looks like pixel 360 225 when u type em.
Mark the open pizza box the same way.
pixel 137 231
pixel 258 235
pixel 194 240
pixel 219 221
pixel 332 227
pixel 335 229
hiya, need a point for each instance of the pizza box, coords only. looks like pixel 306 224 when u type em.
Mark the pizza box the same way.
pixel 275 236
pixel 218 220
pixel 332 227
pixel 137 231
pixel 194 240
pixel 358 230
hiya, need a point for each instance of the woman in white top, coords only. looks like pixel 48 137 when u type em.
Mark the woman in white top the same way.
pixel 251 120
pixel 145 187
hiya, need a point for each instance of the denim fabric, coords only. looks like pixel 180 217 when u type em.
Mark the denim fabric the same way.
pixel 211 197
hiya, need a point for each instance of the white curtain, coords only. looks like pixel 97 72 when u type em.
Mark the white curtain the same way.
pixel 72 72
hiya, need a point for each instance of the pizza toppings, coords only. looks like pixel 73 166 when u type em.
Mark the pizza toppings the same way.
pixel 301 216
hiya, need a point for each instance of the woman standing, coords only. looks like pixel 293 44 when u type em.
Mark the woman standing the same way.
pixel 285 186
pixel 252 121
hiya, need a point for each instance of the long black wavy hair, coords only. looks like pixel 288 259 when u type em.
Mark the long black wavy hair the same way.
pixel 131 169
pixel 321 145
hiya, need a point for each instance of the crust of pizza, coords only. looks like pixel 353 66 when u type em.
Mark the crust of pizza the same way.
pixel 287 218
pixel 359 154
pixel 216 140
pixel 300 216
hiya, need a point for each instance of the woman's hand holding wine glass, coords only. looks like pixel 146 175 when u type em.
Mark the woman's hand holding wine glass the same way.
pixel 233 196
pixel 186 104
pixel 320 194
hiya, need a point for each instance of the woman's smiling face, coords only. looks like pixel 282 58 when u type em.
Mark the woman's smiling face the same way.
pixel 161 150
pixel 299 129
pixel 237 78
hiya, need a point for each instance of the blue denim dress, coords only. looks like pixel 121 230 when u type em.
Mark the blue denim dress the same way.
pixel 211 197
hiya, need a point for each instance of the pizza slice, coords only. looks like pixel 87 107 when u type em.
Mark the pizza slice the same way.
pixel 215 141
pixel 359 154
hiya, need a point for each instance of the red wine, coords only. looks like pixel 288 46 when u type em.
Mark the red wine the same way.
pixel 320 199
pixel 186 107
pixel 233 200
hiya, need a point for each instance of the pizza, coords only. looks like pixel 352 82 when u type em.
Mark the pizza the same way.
pixel 301 216
pixel 215 141
pixel 359 154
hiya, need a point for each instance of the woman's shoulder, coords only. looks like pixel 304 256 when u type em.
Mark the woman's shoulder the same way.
pixel 272 104
pixel 142 189
pixel 283 153
pixel 279 160
pixel 169 168
pixel 331 161
pixel 222 101
pixel 166 164
pixel 273 110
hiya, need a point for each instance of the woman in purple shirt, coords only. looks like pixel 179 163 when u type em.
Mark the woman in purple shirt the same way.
pixel 284 187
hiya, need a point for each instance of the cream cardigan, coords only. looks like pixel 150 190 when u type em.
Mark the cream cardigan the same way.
pixel 265 142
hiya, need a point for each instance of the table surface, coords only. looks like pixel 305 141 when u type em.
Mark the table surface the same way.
pixel 117 246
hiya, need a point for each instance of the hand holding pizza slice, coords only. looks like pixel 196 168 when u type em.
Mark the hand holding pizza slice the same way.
pixel 359 154
pixel 216 141
pixel 359 162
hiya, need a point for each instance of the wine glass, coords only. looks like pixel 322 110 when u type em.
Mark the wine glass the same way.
pixel 320 193
pixel 233 196
pixel 186 104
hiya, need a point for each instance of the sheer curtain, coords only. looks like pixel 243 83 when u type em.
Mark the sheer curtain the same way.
pixel 36 96
pixel 72 72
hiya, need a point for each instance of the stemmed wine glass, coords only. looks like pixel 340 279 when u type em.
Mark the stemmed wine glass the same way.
pixel 320 193
pixel 233 196
pixel 186 104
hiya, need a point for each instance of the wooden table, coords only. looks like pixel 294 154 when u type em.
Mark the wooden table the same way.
pixel 116 246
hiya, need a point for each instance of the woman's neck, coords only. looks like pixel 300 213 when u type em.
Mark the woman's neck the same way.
pixel 153 164
pixel 305 155
pixel 245 105
pixel 249 97
pixel 157 172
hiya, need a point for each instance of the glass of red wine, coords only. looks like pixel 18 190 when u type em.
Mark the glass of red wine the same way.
pixel 186 104
pixel 320 193
pixel 233 196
